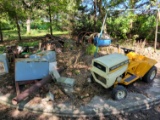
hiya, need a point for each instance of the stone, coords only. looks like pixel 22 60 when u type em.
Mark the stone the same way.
pixel 66 81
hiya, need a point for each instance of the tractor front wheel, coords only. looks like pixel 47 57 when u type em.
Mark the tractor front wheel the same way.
pixel 150 75
pixel 119 92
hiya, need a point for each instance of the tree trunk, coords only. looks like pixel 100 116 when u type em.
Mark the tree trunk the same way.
pixel 28 22
pixel 156 32
pixel 100 8
pixel 95 16
pixel 102 13
pixel 131 6
pixel 57 16
pixel 50 18
pixel 18 28
pixel 1 34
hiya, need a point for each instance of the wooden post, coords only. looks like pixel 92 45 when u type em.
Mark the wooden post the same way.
pixel 40 45
pixel 17 88
pixel 155 42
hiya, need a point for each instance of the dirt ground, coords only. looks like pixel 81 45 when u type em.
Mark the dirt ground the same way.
pixel 77 65
pixel 7 113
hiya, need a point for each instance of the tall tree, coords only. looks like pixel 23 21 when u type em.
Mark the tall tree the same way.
pixel 50 16
pixel 55 8
pixel 27 4
pixel 15 12
pixel 1 34
pixel 1 17
pixel 32 10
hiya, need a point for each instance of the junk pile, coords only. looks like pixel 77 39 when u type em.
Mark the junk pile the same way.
pixel 52 43
pixel 39 67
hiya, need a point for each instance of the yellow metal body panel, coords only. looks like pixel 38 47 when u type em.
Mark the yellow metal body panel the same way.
pixel 138 66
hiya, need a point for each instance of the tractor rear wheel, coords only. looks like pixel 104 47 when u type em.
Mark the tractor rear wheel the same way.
pixel 150 75
pixel 119 92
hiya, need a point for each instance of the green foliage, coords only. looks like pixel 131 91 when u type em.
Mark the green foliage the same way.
pixel 77 72
pixel 6 24
pixel 91 49
pixel 119 27
pixel 144 26
pixel 2 49
pixel 79 16
pixel 40 26
pixel 34 43
pixel 85 23
pixel 12 34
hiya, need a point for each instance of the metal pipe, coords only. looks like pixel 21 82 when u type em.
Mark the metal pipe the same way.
pixel 31 90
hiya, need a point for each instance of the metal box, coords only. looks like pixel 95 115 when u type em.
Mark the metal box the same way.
pixel 4 67
pixel 48 55
pixel 31 69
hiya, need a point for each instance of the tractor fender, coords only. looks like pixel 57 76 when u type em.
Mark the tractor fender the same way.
pixel 145 66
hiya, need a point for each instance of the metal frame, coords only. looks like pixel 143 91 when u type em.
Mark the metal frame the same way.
pixel 18 83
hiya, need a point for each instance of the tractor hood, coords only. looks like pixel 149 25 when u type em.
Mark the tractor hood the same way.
pixel 112 61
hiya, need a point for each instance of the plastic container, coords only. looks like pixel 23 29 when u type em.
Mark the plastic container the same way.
pixel 101 42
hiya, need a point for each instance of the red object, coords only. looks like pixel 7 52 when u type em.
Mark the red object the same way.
pixel 31 90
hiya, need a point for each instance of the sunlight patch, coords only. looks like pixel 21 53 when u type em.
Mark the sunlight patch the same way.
pixel 2 69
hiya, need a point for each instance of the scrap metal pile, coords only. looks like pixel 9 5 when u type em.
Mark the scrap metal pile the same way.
pixel 39 66
pixel 34 64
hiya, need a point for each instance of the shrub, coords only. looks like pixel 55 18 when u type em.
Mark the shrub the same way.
pixel 91 49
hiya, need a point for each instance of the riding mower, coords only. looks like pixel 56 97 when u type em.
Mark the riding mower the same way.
pixel 117 70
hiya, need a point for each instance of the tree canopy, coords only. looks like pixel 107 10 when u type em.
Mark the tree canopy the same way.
pixel 78 16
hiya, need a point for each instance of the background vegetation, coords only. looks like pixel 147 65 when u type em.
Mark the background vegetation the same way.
pixel 23 18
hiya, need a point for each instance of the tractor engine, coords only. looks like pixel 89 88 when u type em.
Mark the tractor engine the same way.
pixel 107 69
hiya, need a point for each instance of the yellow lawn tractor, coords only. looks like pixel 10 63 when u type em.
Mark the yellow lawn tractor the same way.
pixel 117 70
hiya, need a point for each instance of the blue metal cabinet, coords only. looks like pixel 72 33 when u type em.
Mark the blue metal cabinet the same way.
pixel 48 55
pixel 31 69
pixel 4 65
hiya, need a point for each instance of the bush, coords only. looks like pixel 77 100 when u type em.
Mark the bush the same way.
pixel 91 49
pixel 34 43
pixel 2 49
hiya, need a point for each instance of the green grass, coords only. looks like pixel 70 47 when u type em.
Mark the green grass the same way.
pixel 34 43
pixel 13 35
